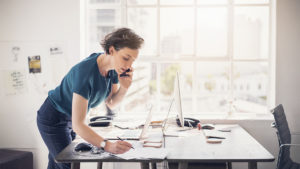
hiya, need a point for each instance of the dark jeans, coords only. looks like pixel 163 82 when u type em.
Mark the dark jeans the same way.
pixel 56 131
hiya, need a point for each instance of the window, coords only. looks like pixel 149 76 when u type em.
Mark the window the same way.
pixel 222 49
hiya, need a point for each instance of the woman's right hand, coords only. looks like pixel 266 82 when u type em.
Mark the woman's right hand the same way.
pixel 118 147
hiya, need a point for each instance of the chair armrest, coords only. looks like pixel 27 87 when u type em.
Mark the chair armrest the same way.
pixel 282 145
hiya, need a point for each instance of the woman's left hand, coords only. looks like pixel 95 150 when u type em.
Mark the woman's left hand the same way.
pixel 125 81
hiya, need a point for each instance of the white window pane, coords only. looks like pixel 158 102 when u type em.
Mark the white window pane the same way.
pixel 107 17
pixel 177 31
pixel 251 1
pixel 142 2
pixel 251 32
pixel 104 1
pixel 212 32
pixel 212 1
pixel 167 79
pixel 144 22
pixel 251 87
pixel 142 91
pixel 176 2
pixel 97 34
pixel 101 22
pixel 212 87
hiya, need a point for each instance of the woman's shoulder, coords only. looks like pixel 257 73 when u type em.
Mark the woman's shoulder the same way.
pixel 87 62
pixel 91 57
pixel 86 66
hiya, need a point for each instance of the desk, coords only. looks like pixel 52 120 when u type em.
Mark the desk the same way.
pixel 239 146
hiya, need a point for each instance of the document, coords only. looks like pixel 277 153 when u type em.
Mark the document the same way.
pixel 140 152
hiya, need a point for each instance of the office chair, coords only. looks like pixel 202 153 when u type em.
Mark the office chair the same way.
pixel 284 140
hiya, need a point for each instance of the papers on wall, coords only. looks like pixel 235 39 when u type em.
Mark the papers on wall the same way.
pixel 14 82
pixel 140 152
pixel 34 64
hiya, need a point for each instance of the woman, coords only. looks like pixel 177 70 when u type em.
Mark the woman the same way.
pixel 85 86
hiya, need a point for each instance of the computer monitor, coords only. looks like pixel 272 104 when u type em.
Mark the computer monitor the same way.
pixel 177 98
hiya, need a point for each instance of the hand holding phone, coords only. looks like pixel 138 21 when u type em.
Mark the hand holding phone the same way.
pixel 125 78
pixel 125 73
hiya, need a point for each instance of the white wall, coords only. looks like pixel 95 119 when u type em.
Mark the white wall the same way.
pixel 288 59
pixel 36 22
pixel 288 69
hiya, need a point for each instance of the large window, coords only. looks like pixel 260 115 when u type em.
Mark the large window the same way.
pixel 222 49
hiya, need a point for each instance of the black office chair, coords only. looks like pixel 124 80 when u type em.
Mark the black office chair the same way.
pixel 284 140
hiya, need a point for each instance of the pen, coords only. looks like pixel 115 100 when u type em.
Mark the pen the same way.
pixel 123 140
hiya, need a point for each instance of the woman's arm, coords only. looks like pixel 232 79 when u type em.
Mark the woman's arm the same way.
pixel 116 96
pixel 79 110
pixel 117 93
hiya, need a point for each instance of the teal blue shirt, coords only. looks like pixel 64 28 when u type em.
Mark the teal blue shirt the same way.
pixel 86 80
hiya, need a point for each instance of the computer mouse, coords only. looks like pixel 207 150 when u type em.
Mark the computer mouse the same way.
pixel 208 126
pixel 83 146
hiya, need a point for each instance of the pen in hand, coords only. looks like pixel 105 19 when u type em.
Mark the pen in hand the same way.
pixel 123 140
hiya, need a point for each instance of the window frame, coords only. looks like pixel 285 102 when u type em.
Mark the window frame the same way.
pixel 230 6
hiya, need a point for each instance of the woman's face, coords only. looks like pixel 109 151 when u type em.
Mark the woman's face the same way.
pixel 123 58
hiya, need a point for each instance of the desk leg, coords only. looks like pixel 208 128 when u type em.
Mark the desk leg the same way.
pixel 229 165
pixel 252 165
pixel 75 165
pixel 144 165
pixel 153 165
pixel 99 165
pixel 183 165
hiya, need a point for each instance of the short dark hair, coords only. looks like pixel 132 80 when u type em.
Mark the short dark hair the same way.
pixel 120 38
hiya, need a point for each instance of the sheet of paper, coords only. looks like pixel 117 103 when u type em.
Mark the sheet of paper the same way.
pixel 140 152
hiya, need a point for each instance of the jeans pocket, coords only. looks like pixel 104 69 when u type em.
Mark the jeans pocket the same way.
pixel 47 114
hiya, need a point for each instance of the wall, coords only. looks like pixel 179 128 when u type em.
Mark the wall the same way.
pixel 38 23
pixel 288 69
pixel 288 59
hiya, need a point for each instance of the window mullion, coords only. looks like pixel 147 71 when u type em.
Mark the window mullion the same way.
pixel 158 66
pixel 230 53
pixel 194 73
pixel 271 59
pixel 123 8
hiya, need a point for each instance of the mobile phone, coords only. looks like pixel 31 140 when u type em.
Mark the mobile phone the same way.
pixel 125 73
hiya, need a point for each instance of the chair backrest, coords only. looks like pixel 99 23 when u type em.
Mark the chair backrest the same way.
pixel 281 125
pixel 284 137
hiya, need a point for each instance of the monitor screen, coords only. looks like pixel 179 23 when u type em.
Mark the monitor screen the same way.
pixel 177 98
